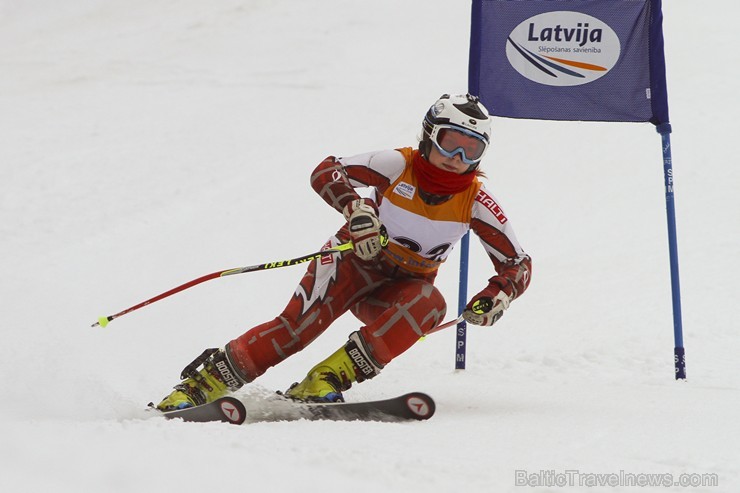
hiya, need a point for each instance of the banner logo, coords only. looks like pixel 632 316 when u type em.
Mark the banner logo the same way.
pixel 563 48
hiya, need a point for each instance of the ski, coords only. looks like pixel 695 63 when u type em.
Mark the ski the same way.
pixel 408 407
pixel 226 409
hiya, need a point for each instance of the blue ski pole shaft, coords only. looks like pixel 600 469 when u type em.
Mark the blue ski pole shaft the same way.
pixel 679 354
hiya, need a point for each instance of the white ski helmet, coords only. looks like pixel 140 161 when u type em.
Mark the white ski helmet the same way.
pixel 464 114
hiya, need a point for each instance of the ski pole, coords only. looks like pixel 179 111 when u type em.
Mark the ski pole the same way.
pixel 445 325
pixel 103 321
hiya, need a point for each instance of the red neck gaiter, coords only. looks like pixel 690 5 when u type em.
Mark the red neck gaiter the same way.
pixel 438 181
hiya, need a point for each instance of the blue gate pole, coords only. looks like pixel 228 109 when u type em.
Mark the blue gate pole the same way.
pixel 462 300
pixel 679 354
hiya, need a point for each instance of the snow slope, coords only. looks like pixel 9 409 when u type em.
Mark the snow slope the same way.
pixel 146 143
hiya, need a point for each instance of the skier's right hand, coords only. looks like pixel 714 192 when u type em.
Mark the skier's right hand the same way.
pixel 364 228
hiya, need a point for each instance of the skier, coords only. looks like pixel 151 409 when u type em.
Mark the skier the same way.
pixel 423 202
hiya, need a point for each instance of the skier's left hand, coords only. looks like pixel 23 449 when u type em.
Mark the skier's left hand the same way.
pixel 487 307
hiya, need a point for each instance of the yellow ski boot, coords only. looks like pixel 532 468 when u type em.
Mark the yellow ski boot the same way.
pixel 214 380
pixel 327 380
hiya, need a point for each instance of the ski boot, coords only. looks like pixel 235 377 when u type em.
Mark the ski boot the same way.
pixel 327 380
pixel 214 380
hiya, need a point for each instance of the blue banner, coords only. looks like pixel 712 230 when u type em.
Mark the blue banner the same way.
pixel 590 60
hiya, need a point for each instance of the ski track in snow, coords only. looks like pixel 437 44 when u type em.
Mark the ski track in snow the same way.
pixel 143 144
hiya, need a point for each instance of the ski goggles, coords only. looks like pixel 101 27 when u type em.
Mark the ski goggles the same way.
pixel 451 140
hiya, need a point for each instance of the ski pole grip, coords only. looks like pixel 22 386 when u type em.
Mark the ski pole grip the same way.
pixel 482 305
pixel 383 236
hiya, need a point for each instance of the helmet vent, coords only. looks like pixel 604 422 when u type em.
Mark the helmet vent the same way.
pixel 471 109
